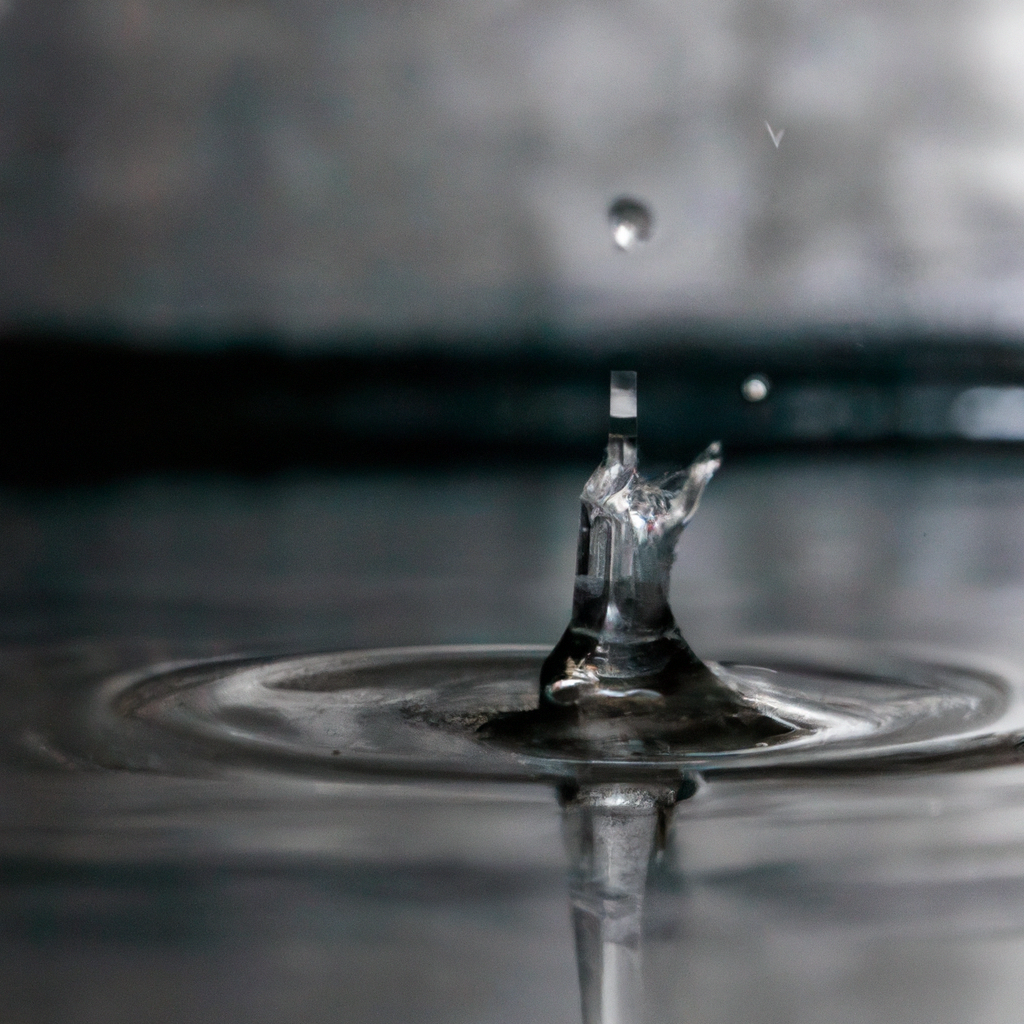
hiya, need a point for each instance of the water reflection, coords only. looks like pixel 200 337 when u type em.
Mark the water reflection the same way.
pixel 271 900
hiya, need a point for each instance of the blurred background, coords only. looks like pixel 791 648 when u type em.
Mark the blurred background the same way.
pixel 307 309
pixel 326 174
pixel 306 316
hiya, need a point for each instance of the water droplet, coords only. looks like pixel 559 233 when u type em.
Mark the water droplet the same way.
pixel 631 221
pixel 755 388
pixel 776 135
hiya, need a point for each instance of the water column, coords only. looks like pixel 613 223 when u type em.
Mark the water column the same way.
pixel 613 675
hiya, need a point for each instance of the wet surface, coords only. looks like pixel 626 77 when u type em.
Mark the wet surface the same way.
pixel 144 895
pixel 469 714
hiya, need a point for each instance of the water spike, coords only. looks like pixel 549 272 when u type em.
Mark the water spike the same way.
pixel 698 477
pixel 622 420
pixel 622 644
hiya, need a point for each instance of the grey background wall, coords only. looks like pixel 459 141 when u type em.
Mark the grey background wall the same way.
pixel 326 169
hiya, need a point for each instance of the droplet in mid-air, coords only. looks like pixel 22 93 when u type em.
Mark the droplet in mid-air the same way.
pixel 755 388
pixel 631 221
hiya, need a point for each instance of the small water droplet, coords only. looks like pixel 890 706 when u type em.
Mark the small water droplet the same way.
pixel 776 135
pixel 631 221
pixel 755 388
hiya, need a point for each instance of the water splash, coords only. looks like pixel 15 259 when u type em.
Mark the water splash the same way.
pixel 431 712
pixel 622 644
pixel 622 676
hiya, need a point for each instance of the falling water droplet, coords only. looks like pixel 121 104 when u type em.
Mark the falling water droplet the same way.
pixel 755 388
pixel 776 135
pixel 631 221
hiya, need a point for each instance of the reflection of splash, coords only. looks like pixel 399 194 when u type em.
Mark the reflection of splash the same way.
pixel 611 834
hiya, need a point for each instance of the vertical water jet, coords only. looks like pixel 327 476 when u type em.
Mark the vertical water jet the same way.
pixel 622 649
